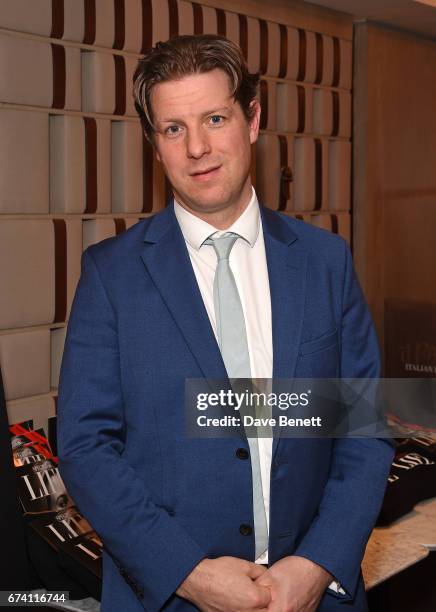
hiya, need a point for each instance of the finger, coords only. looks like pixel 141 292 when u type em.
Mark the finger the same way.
pixel 274 606
pixel 264 580
pixel 256 570
pixel 265 597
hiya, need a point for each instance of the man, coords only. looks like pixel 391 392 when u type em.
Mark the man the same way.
pixel 179 516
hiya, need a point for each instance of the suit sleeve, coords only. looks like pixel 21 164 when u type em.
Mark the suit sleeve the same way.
pixel 152 551
pixel 360 467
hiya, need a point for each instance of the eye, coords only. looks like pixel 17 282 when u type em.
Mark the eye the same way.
pixel 216 119
pixel 172 130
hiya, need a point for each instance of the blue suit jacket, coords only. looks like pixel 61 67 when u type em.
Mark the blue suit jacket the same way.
pixel 161 501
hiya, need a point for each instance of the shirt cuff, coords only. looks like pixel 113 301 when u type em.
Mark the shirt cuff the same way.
pixel 336 587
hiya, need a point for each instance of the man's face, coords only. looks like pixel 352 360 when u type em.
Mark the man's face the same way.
pixel 203 140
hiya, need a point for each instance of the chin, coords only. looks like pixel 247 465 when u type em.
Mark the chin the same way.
pixel 206 203
pixel 211 206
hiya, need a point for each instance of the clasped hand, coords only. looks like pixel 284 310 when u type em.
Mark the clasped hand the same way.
pixel 228 584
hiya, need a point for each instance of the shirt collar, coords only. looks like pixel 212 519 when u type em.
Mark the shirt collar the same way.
pixel 195 230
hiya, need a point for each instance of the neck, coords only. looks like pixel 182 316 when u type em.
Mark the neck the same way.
pixel 224 218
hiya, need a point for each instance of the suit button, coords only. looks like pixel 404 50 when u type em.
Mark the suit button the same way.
pixel 245 530
pixel 242 453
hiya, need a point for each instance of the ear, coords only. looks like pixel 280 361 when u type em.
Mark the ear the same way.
pixel 254 123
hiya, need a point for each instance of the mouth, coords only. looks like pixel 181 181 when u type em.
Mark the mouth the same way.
pixel 206 174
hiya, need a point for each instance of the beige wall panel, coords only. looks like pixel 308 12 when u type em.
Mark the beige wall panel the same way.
pixel 74 254
pixel 27 73
pixel 332 113
pixel 127 186
pixel 253 44
pixel 210 25
pixel 24 81
pixel 294 108
pixel 339 175
pixel 303 218
pixel 327 60
pixel 71 163
pixel 131 64
pixel 311 174
pixel 273 48
pixel 25 363
pixel 186 17
pixel 293 59
pixel 346 71
pixel 105 23
pixel 345 111
pixel 287 164
pixel 291 164
pixel 133 25
pixel 325 174
pixel 37 408
pixel 304 174
pixel 27 270
pixel 25 16
pixel 24 152
pixel 308 115
pixel 268 102
pixel 274 164
pixel 287 107
pixel 98 82
pixel 268 170
pixel 311 66
pixel 57 341
pixel 343 221
pixel 323 221
pixel 95 230
pixel 131 222
pixel 104 166
pixel 67 164
pixel 160 20
pixel 336 223
pixel 74 20
pixel 73 82
pixel 322 111
pixel 232 27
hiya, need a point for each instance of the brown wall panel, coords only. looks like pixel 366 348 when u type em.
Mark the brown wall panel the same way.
pixel 394 166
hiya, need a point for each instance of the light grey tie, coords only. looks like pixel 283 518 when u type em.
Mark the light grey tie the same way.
pixel 232 339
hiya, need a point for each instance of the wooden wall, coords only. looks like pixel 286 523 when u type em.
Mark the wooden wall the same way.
pixel 394 203
pixel 75 169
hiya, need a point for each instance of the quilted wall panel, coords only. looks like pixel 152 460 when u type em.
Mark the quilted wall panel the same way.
pixel 75 168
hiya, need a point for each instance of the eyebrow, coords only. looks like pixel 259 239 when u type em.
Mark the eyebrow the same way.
pixel 214 111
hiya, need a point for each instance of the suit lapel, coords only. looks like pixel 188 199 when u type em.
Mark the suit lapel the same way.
pixel 287 265
pixel 167 260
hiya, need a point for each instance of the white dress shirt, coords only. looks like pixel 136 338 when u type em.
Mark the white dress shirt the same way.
pixel 248 263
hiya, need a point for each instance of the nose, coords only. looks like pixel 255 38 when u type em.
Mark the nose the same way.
pixel 197 142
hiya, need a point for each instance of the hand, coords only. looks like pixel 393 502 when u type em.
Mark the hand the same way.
pixel 297 584
pixel 226 584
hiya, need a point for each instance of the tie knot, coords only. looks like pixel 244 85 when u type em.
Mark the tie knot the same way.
pixel 222 244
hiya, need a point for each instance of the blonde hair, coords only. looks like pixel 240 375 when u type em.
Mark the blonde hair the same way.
pixel 192 54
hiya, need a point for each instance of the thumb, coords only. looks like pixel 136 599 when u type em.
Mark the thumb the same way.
pixel 255 571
